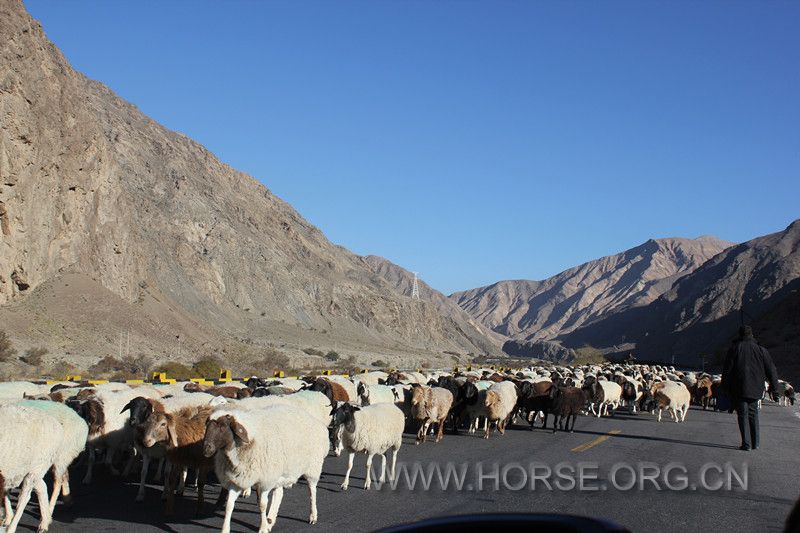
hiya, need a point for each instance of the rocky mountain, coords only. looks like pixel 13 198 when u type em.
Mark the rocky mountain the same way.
pixel 91 187
pixel 543 310
pixel 747 283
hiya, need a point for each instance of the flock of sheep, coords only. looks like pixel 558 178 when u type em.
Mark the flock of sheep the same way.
pixel 267 434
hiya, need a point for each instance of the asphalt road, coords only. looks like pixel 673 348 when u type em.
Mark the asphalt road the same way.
pixel 706 438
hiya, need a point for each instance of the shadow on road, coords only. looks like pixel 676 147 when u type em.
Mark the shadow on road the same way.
pixel 657 439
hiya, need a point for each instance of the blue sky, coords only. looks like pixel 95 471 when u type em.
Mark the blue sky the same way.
pixel 474 141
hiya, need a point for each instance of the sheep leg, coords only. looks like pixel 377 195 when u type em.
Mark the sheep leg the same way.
pixel 394 463
pixel 129 465
pixel 8 511
pixel 368 482
pixel 488 432
pixel 160 471
pixel 440 431
pixel 109 461
pixel 346 481
pixel 87 479
pixel 659 414
pixel 44 505
pixel 383 468
pixel 182 481
pixel 574 418
pixel 555 422
pixel 312 494
pixel 263 504
pixel 544 424
pixel 274 505
pixel 143 477
pixel 57 482
pixel 22 501
pixel 66 497
pixel 167 473
pixel 201 485
pixel 169 489
pixel 226 523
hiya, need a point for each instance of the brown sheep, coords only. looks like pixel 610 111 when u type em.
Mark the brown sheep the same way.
pixel 702 392
pixel 182 433
pixel 334 391
pixel 226 391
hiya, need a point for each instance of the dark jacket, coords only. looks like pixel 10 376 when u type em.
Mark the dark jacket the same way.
pixel 747 367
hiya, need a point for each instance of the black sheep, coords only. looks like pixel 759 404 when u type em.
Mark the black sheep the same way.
pixel 566 402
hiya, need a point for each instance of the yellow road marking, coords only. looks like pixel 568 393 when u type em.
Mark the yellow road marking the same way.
pixel 599 440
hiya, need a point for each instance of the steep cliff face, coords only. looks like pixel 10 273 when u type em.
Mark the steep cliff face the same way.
pixel 543 310
pixel 90 185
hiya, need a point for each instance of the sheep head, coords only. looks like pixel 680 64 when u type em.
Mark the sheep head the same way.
pixel 140 408
pixel 159 427
pixel 223 433
pixel 92 411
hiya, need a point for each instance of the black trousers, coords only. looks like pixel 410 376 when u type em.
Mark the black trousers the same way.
pixel 747 415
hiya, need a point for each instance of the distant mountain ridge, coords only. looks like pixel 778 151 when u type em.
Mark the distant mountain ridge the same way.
pixel 543 310
pixel 402 280
pixel 702 310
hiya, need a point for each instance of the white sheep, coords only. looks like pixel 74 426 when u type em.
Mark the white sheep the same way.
pixel 17 390
pixel 374 394
pixel 372 429
pixel 371 378
pixel 29 443
pixel 673 396
pixel 314 403
pixel 501 398
pixel 73 443
pixel 269 449
pixel 611 396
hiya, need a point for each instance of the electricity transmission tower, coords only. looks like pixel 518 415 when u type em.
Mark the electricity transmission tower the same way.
pixel 415 288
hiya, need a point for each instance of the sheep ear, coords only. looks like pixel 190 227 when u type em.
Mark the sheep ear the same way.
pixel 240 432
pixel 127 407
pixel 172 433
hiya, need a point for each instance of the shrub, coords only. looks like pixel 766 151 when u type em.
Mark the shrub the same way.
pixel 208 367
pixel 267 361
pixel 380 363
pixel 34 356
pixel 175 370
pixel 106 365
pixel 313 351
pixel 587 354
pixel 332 356
pixel 7 350
pixel 60 369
